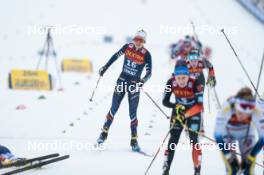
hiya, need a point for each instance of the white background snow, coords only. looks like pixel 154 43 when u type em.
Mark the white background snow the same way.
pixel 43 121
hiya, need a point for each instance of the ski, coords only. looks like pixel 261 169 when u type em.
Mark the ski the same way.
pixel 143 153
pixel 36 165
pixel 28 161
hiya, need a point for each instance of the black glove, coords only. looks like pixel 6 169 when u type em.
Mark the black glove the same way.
pixel 102 70
pixel 140 83
pixel 180 109
pixel 211 81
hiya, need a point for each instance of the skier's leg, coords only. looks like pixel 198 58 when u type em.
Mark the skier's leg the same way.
pixel 246 144
pixel 133 100
pixel 228 155
pixel 202 80
pixel 175 134
pixel 194 124
pixel 118 95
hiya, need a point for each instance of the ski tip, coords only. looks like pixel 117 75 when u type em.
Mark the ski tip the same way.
pixel 67 156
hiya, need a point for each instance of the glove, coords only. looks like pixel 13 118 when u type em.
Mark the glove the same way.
pixel 102 70
pixel 180 109
pixel 139 83
pixel 211 81
pixel 248 162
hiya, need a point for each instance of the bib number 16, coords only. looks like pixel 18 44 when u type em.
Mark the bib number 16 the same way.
pixel 131 64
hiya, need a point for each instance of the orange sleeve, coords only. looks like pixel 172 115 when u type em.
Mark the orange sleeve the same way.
pixel 198 108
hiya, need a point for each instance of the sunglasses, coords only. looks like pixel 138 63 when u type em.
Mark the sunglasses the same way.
pixel 141 40
pixel 193 57
pixel 247 106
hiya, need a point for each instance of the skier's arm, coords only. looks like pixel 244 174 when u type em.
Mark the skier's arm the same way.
pixel 167 94
pixel 116 56
pixel 198 107
pixel 222 119
pixel 148 63
pixel 210 67
pixel 258 119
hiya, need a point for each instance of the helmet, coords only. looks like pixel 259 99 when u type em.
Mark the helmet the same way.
pixel 141 34
pixel 194 55
pixel 181 70
pixel 245 102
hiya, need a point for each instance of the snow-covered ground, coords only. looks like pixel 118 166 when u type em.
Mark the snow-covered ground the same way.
pixel 48 121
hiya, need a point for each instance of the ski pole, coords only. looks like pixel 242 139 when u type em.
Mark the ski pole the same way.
pixel 241 64
pixel 207 137
pixel 191 130
pixel 155 103
pixel 91 98
pixel 177 118
pixel 194 31
pixel 157 152
pixel 258 82
pixel 260 73
pixel 217 99
pixel 208 99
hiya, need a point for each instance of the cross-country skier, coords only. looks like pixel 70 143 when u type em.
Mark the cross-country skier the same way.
pixel 187 109
pixel 237 122
pixel 182 48
pixel 196 64
pixel 6 157
pixel 136 57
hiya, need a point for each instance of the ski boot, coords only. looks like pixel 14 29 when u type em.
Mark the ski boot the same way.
pixel 5 162
pixel 19 161
pixel 134 144
pixel 197 170
pixel 102 137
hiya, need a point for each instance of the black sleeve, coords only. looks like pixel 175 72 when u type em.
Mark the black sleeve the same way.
pixel 167 94
pixel 209 65
pixel 199 90
pixel 115 56
pixel 148 64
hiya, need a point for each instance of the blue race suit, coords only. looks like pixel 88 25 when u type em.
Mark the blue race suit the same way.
pixel 134 62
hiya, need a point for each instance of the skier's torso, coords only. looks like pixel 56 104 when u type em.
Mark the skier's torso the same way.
pixel 196 71
pixel 227 120
pixel 134 62
pixel 185 96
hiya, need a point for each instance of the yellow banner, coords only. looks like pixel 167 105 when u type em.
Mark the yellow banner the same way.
pixel 30 80
pixel 77 65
